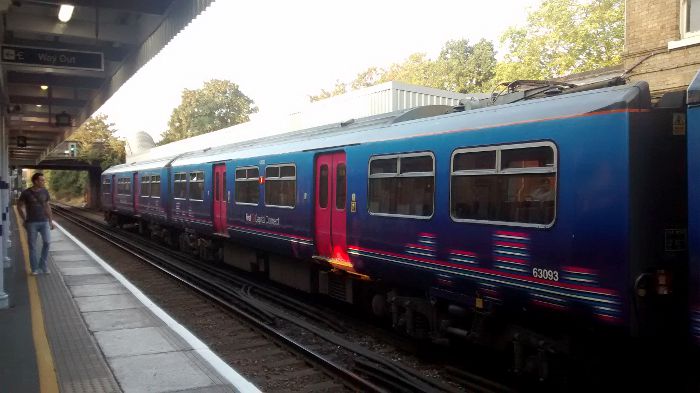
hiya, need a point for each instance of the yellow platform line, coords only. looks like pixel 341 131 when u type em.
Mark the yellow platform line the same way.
pixel 44 360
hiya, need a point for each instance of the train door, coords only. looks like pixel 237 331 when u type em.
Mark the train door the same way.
pixel 113 189
pixel 220 198
pixel 330 209
pixel 135 192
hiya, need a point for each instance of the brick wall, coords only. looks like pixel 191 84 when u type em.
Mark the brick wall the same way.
pixel 650 26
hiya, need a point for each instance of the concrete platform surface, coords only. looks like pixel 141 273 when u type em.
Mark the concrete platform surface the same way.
pixel 97 332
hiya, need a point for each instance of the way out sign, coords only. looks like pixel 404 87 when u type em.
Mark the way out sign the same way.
pixel 55 58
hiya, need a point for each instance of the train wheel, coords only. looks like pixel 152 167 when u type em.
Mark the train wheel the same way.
pixel 182 242
pixel 143 228
pixel 203 249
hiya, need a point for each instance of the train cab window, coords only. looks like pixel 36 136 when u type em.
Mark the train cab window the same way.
pixel 155 186
pixel 280 185
pixel 179 185
pixel 514 185
pixel 106 185
pixel 323 187
pixel 340 187
pixel 196 186
pixel 402 185
pixel 247 186
pixel 145 186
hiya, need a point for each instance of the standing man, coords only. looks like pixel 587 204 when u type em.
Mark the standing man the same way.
pixel 38 219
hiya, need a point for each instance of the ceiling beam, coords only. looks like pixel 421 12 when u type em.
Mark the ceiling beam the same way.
pixel 156 7
pixel 29 125
pixel 76 28
pixel 85 82
pixel 15 99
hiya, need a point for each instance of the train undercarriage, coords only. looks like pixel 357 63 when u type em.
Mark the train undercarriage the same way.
pixel 434 317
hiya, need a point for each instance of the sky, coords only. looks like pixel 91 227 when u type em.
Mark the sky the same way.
pixel 280 52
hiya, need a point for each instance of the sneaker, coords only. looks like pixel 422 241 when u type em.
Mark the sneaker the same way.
pixel 47 271
pixel 35 273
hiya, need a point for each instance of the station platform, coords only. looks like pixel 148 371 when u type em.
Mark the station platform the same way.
pixel 85 328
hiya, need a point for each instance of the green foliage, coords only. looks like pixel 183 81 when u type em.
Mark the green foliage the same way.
pixel 65 185
pixel 561 37
pixel 564 37
pixel 367 78
pixel 460 67
pixel 97 143
pixel 338 89
pixel 218 104
pixel 465 68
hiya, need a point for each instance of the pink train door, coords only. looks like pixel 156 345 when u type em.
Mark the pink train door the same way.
pixel 220 198
pixel 330 209
pixel 135 192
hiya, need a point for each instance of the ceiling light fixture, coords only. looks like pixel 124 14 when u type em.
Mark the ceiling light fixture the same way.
pixel 38 105
pixel 44 87
pixel 65 12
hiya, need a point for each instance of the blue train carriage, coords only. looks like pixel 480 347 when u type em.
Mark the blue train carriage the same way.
pixel 693 127
pixel 136 193
pixel 540 210
pixel 540 215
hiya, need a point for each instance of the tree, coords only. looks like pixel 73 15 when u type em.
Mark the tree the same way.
pixel 465 68
pixel 367 78
pixel 338 89
pixel 563 37
pixel 218 104
pixel 97 144
pixel 460 67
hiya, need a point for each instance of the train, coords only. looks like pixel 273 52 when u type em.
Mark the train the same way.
pixel 523 221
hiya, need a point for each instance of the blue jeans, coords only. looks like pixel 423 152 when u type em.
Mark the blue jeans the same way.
pixel 33 228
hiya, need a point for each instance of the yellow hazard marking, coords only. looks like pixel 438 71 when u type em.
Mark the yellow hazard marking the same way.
pixel 44 360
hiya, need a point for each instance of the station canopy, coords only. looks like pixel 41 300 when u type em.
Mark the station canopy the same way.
pixel 56 74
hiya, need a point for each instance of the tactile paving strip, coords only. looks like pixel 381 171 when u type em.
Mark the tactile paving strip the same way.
pixel 80 367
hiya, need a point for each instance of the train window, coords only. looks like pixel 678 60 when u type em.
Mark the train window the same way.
pixel 155 186
pixel 180 185
pixel 323 187
pixel 280 185
pixel 247 190
pixel 532 157
pixel 418 164
pixel 402 185
pixel 474 161
pixel 272 172
pixel 107 185
pixel 217 189
pixel 340 185
pixel 519 190
pixel 196 186
pixel 127 186
pixel 380 166
pixel 145 186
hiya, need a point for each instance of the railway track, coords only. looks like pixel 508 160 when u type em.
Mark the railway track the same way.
pixel 316 337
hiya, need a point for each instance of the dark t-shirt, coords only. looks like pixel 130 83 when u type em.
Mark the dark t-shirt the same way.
pixel 34 201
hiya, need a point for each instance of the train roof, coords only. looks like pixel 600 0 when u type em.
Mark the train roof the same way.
pixel 139 166
pixel 415 123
